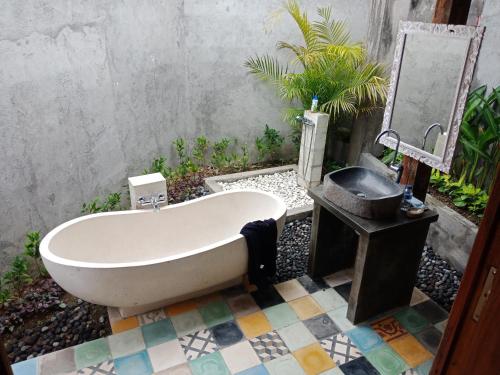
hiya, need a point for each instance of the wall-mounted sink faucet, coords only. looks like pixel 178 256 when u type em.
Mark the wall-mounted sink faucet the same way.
pixel 436 124
pixel 153 200
pixel 396 167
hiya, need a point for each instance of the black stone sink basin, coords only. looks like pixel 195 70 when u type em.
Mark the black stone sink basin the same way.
pixel 363 192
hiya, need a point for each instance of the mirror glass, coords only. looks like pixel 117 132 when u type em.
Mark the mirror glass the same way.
pixel 430 79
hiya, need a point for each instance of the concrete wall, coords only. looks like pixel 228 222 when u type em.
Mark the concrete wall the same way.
pixel 91 91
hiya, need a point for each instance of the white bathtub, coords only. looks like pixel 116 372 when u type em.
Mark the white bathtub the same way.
pixel 140 260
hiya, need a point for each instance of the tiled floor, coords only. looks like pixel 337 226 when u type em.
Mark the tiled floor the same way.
pixel 296 327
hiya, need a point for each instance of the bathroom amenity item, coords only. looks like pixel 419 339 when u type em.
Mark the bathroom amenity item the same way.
pixel 139 260
pixel 408 192
pixel 261 237
pixel 314 104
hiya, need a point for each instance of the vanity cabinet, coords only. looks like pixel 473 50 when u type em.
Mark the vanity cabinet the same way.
pixel 385 255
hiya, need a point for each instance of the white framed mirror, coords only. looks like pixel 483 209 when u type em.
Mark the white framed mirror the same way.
pixel 430 80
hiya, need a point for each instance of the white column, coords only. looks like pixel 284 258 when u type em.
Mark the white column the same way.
pixel 146 186
pixel 312 149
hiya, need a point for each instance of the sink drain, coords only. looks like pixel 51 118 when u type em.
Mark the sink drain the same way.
pixel 358 193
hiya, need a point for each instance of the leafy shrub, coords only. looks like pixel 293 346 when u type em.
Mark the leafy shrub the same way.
pixel 185 164
pixel 220 158
pixel 200 150
pixel 18 275
pixel 32 250
pixel 463 195
pixel 111 203
pixel 269 145
pixel 388 155
pixel 159 165
pixel 4 291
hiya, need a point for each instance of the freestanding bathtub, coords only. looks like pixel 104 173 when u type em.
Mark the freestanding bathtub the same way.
pixel 139 260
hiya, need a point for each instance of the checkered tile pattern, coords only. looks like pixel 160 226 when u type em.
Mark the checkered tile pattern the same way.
pixel 198 344
pixel 104 368
pixel 269 346
pixel 340 348
pixel 317 334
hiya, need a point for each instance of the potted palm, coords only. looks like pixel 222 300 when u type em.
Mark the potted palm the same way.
pixel 328 65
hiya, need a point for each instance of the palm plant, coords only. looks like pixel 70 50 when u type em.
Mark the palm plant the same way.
pixel 480 135
pixel 328 65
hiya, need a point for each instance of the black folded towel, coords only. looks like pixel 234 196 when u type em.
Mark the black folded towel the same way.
pixel 261 237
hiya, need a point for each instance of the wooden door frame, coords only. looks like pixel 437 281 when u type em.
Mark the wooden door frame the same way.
pixel 472 280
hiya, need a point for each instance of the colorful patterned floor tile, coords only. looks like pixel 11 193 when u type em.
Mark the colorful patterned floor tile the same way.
pixel 257 370
pixel 158 332
pixel 296 336
pixel 166 355
pixel 408 348
pixel 242 304
pixel 181 307
pixel 151 317
pixel 291 290
pixel 411 320
pixel 267 297
pixel 92 353
pixel 321 326
pixel 226 334
pixel 359 366
pixel 431 311
pixel 134 364
pixel 29 367
pixel 281 315
pixel 338 278
pixel 269 346
pixel 344 290
pixel 418 297
pixel 441 326
pixel 340 348
pixel 198 344
pixel 212 364
pixel 208 298
pixel 333 371
pixel 58 362
pixel 430 338
pixel 329 299
pixel 104 368
pixel 313 359
pixel 286 364
pixel 339 317
pixel 254 325
pixel 365 338
pixel 125 324
pixel 177 370
pixel 309 284
pixel 240 357
pixel 388 328
pixel 410 371
pixel 386 360
pixel 215 312
pixel 306 307
pixel 424 368
pixel 188 322
pixel 126 343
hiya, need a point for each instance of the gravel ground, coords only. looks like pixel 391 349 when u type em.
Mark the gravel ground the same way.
pixel 283 184
pixel 438 279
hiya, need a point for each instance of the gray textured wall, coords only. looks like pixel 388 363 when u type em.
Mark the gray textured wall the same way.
pixel 91 91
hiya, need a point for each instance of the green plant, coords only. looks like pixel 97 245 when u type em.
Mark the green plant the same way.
pixel 338 71
pixel 111 203
pixel 388 155
pixel 480 136
pixel 32 250
pixel 200 150
pixel 185 163
pixel 463 195
pixel 269 145
pixel 220 158
pixel 245 158
pixel 159 165
pixel 18 275
pixel 4 291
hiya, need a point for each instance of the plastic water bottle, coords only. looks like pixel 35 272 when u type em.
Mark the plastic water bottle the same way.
pixel 408 192
pixel 314 104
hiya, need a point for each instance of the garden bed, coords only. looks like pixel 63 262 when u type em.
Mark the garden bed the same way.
pixel 447 200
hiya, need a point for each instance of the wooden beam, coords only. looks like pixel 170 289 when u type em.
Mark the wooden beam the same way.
pixel 4 361
pixel 454 12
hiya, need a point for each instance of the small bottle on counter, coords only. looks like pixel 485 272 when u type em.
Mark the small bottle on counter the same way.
pixel 314 104
pixel 408 192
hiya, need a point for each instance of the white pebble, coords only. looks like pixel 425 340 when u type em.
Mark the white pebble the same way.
pixel 283 184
